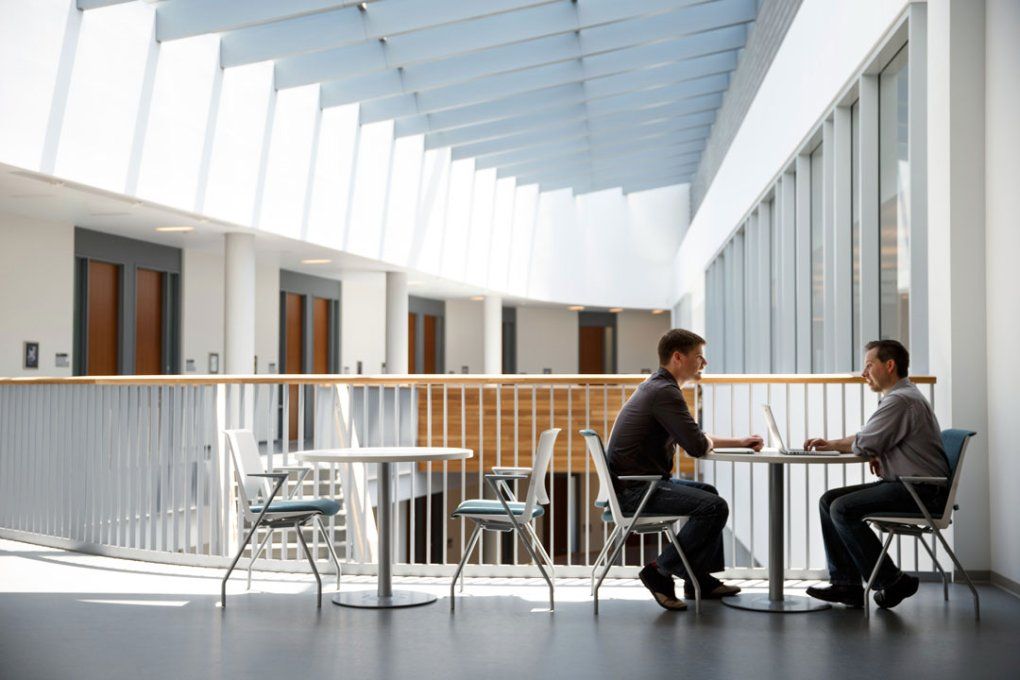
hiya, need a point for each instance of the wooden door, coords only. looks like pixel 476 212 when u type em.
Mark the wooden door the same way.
pixel 412 335
pixel 431 343
pixel 149 322
pixel 293 362
pixel 592 349
pixel 320 335
pixel 103 322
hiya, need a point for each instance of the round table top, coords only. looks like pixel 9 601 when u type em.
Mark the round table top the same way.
pixel 384 454
pixel 773 456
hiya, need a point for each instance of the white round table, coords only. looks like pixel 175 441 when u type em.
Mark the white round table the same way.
pixel 385 456
pixel 776 601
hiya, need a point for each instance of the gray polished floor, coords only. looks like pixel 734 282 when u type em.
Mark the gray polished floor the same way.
pixel 64 615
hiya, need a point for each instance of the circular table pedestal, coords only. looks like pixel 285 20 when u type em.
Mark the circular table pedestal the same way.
pixel 790 604
pixel 371 600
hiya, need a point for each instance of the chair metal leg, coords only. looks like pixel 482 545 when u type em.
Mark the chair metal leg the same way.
pixel 531 551
pixel 874 573
pixel 460 565
pixel 687 565
pixel 329 546
pixel 935 561
pixel 311 561
pixel 970 584
pixel 602 555
pixel 539 547
pixel 255 555
pixel 237 557
pixel 609 563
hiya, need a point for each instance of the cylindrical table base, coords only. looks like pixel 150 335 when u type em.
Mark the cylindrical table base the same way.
pixel 790 604
pixel 366 599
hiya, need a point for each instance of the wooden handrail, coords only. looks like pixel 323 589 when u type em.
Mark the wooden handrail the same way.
pixel 449 379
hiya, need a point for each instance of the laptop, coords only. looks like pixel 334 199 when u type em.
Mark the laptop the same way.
pixel 778 438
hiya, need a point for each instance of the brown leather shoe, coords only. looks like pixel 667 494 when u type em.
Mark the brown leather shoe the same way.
pixel 662 588
pixel 718 592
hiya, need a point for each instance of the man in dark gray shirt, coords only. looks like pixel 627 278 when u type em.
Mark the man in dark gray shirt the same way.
pixel 648 427
pixel 901 438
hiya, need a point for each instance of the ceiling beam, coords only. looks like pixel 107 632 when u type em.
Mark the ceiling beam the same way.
pixel 485 88
pixel 188 18
pixel 588 159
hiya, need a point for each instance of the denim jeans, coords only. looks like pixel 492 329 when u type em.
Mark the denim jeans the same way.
pixel 700 537
pixel 851 546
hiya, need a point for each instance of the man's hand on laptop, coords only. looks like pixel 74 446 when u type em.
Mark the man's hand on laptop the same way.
pixel 819 444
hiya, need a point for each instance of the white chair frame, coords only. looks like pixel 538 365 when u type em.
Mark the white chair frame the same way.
pixel 253 482
pixel 625 525
pixel 521 525
pixel 919 526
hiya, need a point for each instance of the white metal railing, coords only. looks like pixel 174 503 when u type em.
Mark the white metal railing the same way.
pixel 136 467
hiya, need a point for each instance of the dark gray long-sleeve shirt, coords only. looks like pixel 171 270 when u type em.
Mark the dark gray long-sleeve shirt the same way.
pixel 648 426
pixel 903 435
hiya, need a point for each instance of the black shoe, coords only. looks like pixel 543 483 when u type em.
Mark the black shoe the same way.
pixel 851 596
pixel 712 590
pixel 662 588
pixel 901 589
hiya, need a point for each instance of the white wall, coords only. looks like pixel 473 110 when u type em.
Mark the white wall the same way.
pixel 1002 244
pixel 36 294
pixel 547 338
pixel 201 308
pixel 789 102
pixel 363 321
pixel 267 311
pixel 638 334
pixel 464 339
pixel 90 96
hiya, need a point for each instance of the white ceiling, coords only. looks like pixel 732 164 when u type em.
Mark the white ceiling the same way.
pixel 585 94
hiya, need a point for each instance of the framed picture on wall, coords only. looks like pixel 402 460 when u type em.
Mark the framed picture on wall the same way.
pixel 214 362
pixel 31 355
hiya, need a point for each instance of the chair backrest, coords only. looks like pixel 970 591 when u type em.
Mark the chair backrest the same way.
pixel 244 451
pixel 539 467
pixel 954 442
pixel 606 490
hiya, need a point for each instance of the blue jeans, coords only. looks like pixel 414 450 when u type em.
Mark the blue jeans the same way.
pixel 700 537
pixel 851 547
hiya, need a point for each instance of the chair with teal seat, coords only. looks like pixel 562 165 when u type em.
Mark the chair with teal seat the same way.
pixel 253 482
pixel 505 513
pixel 918 524
pixel 626 524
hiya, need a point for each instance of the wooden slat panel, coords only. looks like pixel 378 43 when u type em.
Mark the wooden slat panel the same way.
pixel 603 406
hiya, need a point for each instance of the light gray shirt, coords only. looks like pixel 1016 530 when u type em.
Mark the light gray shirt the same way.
pixel 903 435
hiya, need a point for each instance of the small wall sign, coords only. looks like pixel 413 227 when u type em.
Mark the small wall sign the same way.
pixel 61 360
pixel 214 363
pixel 31 355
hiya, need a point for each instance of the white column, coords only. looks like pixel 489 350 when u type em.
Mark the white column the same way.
pixel 1002 205
pixel 239 304
pixel 493 335
pixel 842 242
pixel 396 322
pixel 956 250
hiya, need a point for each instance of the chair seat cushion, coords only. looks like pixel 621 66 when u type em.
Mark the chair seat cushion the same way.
pixel 480 506
pixel 323 506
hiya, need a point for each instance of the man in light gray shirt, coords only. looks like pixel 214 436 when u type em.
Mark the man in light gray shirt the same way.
pixel 902 438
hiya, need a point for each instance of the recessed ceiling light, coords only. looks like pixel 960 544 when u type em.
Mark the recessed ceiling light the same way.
pixel 477 298
pixel 175 229
pixel 616 310
pixel 576 308
pixel 658 311
pixel 316 261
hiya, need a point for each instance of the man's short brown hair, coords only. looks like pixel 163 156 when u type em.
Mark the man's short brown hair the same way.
pixel 891 349
pixel 677 340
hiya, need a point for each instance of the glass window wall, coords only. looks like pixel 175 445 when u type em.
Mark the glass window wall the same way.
pixel 817 263
pixel 894 198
